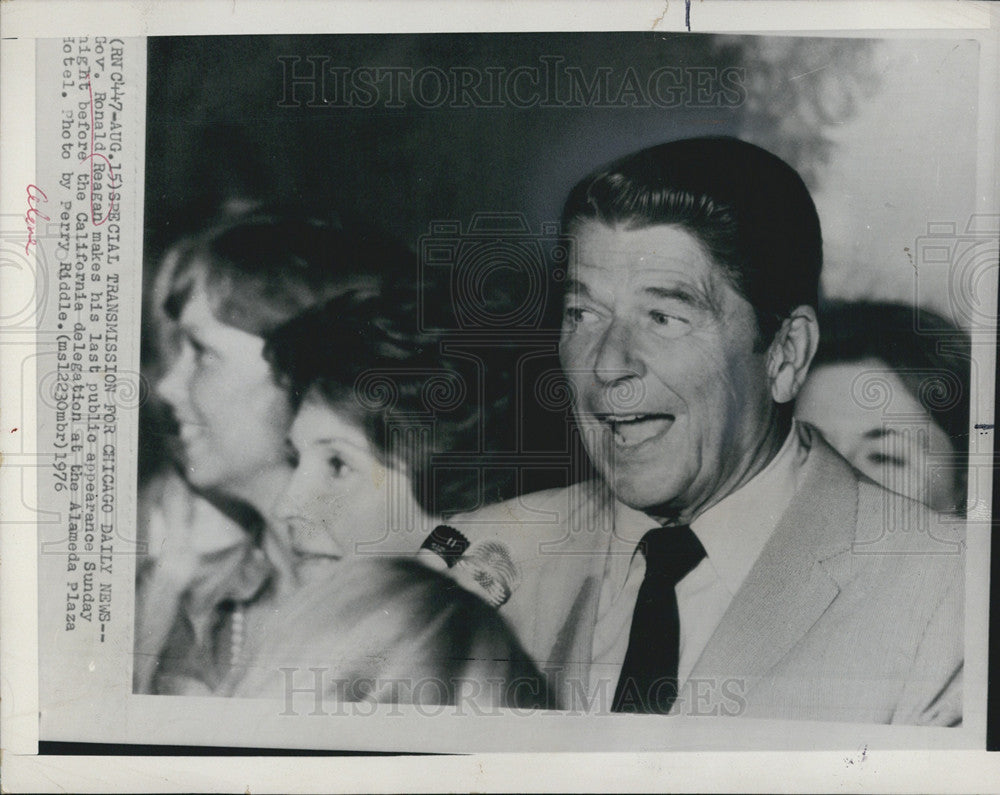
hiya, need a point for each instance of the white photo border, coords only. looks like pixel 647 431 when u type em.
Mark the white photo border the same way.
pixel 859 767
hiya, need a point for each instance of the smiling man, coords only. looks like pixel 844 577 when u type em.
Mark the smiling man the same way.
pixel 728 561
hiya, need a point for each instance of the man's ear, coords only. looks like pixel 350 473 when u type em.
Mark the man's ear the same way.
pixel 791 352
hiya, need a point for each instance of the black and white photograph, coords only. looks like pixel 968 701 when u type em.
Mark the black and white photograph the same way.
pixel 508 390
pixel 374 374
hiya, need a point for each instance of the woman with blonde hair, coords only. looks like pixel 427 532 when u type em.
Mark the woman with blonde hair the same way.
pixel 215 560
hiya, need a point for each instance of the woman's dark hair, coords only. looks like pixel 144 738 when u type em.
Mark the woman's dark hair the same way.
pixel 750 210
pixel 422 398
pixel 930 355
pixel 264 268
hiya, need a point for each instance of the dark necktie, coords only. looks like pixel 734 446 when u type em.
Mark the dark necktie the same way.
pixel 648 681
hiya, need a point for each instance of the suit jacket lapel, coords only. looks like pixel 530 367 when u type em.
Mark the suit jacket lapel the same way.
pixel 795 578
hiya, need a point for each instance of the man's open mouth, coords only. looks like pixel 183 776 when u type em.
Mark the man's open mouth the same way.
pixel 630 430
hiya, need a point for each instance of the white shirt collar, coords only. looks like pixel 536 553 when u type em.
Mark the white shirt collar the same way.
pixel 735 530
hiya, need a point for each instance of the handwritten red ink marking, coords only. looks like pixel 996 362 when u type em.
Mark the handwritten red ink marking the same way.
pixel 90 157
pixel 13 430
pixel 36 196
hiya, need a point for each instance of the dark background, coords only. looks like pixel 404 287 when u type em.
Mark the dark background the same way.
pixel 216 131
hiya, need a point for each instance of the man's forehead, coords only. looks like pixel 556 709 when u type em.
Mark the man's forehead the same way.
pixel 650 264
pixel 646 273
pixel 647 251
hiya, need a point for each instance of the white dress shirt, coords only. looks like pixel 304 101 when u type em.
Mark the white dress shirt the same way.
pixel 733 533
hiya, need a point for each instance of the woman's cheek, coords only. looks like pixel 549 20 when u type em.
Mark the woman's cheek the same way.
pixel 200 393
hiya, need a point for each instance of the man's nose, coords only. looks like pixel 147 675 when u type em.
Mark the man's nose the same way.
pixel 617 358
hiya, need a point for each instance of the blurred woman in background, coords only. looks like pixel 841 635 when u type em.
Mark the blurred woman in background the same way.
pixel 390 437
pixel 215 559
pixel 889 389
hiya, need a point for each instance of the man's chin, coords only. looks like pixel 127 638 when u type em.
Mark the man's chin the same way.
pixel 643 494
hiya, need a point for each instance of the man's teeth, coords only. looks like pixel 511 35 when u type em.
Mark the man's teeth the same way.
pixel 637 428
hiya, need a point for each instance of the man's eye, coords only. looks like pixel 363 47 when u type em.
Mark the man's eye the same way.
pixel 291 456
pixel 667 325
pixel 337 465
pixel 881 459
pixel 576 314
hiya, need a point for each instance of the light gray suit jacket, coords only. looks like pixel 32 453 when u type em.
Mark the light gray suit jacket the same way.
pixel 852 612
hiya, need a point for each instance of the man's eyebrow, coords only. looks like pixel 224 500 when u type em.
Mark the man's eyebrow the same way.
pixel 693 298
pixel 879 433
pixel 576 287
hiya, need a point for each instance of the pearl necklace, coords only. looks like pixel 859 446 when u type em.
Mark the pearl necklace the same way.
pixel 237 633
